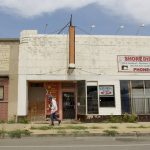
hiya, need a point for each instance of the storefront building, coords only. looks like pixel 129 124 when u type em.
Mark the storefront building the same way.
pixel 8 78
pixel 109 76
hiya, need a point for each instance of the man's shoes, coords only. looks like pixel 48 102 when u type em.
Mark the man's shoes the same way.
pixel 52 124
pixel 59 122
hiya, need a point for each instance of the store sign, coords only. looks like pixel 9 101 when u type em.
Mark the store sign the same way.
pixel 105 90
pixel 134 64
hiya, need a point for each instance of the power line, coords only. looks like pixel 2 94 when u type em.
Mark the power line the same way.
pixel 63 28
pixel 84 31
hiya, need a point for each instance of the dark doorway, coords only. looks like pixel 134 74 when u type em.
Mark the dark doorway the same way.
pixel 68 105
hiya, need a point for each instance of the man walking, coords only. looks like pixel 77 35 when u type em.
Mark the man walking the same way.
pixel 54 108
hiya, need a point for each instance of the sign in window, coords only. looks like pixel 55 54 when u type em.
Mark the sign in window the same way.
pixel 106 96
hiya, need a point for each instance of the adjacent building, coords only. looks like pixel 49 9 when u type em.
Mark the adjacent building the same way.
pixel 9 49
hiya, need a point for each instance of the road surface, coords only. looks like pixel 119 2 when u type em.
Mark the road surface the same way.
pixel 76 143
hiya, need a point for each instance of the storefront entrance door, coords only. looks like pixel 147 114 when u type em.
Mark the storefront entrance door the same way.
pixel 68 105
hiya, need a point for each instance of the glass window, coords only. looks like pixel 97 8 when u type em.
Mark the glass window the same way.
pixel 81 100
pixel 137 84
pixel 147 84
pixel 106 96
pixel 1 92
pixel 135 96
pixel 92 100
pixel 125 96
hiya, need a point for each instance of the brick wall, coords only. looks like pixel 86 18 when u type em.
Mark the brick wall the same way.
pixel 4 102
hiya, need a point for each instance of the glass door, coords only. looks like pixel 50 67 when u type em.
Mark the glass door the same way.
pixel 68 105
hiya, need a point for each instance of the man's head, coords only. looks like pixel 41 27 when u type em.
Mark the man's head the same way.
pixel 50 97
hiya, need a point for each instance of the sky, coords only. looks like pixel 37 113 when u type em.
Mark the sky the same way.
pixel 98 17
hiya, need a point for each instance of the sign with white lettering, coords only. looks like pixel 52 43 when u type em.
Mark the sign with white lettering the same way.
pixel 133 64
pixel 105 90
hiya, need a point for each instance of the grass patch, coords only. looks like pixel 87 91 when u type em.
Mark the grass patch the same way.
pixel 41 128
pixel 110 132
pixel 96 127
pixel 76 127
pixel 2 133
pixel 12 121
pixel 61 132
pixel 18 133
pixel 23 121
pixel 114 127
pixel 59 127
pixel 46 128
pixel 131 118
pixel 79 132
pixel 141 126
pixel 2 121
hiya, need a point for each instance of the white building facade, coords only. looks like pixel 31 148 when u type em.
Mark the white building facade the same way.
pixel 111 75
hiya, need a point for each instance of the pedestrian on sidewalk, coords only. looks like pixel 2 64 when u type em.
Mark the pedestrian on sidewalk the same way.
pixel 53 110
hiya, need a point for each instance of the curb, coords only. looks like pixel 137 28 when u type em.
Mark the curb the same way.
pixel 93 134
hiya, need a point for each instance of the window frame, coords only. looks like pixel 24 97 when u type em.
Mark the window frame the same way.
pixel 107 95
pixel 2 96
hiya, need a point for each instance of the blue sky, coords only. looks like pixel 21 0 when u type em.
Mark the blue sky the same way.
pixel 103 17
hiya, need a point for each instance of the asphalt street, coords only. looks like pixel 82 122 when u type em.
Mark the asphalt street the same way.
pixel 76 143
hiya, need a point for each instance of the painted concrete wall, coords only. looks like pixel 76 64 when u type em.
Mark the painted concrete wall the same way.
pixel 45 57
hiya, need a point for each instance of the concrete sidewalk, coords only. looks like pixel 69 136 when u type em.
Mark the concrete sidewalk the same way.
pixel 81 129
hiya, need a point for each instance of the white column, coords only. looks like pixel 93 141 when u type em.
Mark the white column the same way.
pixel 22 96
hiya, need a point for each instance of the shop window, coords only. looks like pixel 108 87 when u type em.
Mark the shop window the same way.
pixel 135 96
pixel 106 96
pixel 1 93
pixel 125 97
pixel 136 84
pixel 92 100
pixel 81 100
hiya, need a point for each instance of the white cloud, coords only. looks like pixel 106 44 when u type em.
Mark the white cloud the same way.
pixel 137 10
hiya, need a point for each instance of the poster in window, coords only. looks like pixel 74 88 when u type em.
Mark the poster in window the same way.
pixel 1 92
pixel 106 90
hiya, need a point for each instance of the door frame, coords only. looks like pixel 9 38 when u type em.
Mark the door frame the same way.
pixel 75 99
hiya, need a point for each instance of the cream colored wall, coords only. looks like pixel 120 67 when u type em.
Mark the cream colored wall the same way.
pixel 4 58
pixel 45 57
pixel 13 81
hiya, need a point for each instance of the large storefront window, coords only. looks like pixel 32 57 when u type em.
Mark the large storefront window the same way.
pixel 147 97
pixel 136 96
pixel 92 100
pixel 106 96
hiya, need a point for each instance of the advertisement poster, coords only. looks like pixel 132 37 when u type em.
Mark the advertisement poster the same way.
pixel 133 64
pixel 105 90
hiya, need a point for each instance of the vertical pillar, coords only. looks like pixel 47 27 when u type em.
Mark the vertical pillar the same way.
pixel 71 47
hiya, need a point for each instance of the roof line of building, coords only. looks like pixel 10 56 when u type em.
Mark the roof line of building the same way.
pixel 9 39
